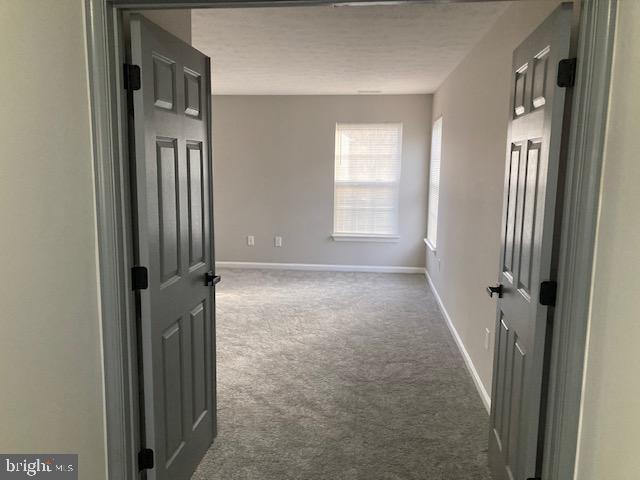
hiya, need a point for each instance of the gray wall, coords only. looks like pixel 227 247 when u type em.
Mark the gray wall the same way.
pixel 610 433
pixel 177 22
pixel 274 162
pixel 51 395
pixel 474 103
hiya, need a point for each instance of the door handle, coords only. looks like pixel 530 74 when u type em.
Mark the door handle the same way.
pixel 210 279
pixel 497 289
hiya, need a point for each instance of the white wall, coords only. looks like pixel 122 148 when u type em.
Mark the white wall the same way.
pixel 473 101
pixel 177 22
pixel 274 161
pixel 610 432
pixel 51 395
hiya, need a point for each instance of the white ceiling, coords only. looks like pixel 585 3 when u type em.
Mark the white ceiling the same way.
pixel 338 50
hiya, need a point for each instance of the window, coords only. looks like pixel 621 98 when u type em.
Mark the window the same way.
pixel 367 177
pixel 434 183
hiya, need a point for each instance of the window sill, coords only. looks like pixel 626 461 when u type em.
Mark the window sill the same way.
pixel 428 244
pixel 346 237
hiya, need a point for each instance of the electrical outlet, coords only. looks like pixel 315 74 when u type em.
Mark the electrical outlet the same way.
pixel 487 335
pixel 251 240
pixel 277 241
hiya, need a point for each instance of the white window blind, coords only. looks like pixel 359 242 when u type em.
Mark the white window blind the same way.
pixel 367 177
pixel 434 182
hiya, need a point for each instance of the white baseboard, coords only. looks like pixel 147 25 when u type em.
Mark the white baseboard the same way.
pixel 317 267
pixel 484 395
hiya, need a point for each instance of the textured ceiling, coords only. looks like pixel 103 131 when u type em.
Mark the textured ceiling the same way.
pixel 339 50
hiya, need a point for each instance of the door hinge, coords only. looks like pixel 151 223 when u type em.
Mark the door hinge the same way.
pixel 131 77
pixel 567 72
pixel 145 459
pixel 548 293
pixel 139 278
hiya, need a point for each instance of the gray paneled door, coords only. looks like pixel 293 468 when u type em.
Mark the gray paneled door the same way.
pixel 533 164
pixel 172 191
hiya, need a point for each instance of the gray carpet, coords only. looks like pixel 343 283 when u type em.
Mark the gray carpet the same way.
pixel 346 376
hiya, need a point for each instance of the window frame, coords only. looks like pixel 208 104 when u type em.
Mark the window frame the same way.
pixel 368 237
pixel 432 243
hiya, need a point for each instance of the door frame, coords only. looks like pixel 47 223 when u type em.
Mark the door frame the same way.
pixel 579 210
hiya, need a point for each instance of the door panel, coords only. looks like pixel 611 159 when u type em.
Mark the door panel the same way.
pixel 172 189
pixel 196 204
pixel 199 364
pixel 163 82
pixel 540 63
pixel 193 94
pixel 172 383
pixel 530 191
pixel 168 213
pixel 531 178
pixel 510 231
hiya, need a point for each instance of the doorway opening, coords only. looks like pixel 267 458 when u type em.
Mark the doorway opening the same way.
pixel 265 137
